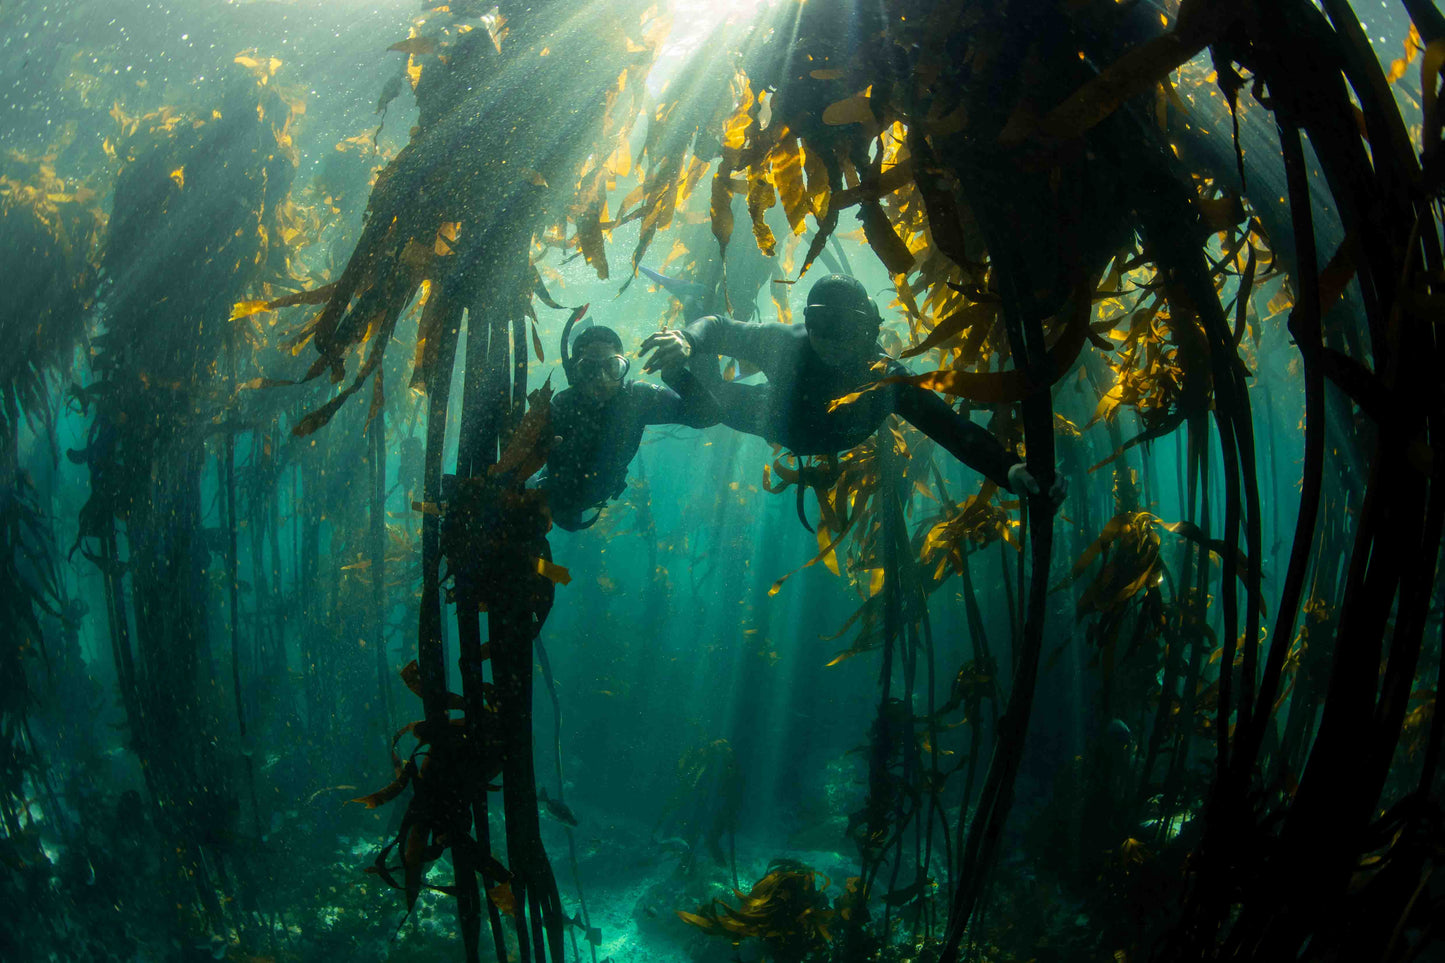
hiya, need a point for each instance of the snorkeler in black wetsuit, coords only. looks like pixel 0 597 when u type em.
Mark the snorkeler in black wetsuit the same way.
pixel 808 366
pixel 598 421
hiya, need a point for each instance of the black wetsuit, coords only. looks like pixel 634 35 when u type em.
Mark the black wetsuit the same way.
pixel 792 408
pixel 589 466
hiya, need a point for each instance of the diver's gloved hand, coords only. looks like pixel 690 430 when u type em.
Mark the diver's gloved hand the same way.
pixel 1022 481
pixel 670 351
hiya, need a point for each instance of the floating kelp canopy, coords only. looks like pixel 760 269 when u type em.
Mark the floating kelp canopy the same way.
pixel 1139 241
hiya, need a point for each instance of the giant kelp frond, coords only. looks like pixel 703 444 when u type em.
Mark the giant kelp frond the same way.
pixel 1128 550
pixel 173 180
pixel 193 225
pixel 52 228
pixel 195 220
pixel 477 161
pixel 786 910
pixel 28 590
pixel 962 529
pixel 449 771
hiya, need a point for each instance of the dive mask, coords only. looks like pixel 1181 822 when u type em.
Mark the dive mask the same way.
pixel 613 368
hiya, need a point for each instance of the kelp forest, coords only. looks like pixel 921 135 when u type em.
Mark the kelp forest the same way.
pixel 299 662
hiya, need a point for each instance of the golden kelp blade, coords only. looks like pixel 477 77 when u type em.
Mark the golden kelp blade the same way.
pixel 262 68
pixel 826 550
pixel 825 547
pixel 554 572
pixel 994 387
pixel 589 237
pixel 787 162
pixel 853 110
pixel 884 240
pixel 859 648
pixel 761 197
pixel 853 396
pixel 501 895
pixel 244 309
pixel 701 922
pixel 1216 546
pixel 1413 45
pixel 736 128
pixel 386 794
pixel 983 312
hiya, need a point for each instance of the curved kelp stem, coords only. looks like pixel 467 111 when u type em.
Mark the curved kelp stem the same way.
pixel 459 235
pixel 166 324
pixel 583 917
pixel 985 834
pixel 1312 894
pixel 1304 324
pixel 376 432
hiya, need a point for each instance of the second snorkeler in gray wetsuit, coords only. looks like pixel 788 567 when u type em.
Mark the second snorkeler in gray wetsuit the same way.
pixel 807 366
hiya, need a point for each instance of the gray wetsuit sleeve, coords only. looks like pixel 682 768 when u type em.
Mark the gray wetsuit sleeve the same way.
pixel 966 441
pixel 683 402
pixel 695 406
pixel 759 343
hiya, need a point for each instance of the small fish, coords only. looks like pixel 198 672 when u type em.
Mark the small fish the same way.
pixel 674 843
pixel 678 288
pixel 556 808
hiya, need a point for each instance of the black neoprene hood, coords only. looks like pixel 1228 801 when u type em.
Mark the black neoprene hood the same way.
pixel 839 303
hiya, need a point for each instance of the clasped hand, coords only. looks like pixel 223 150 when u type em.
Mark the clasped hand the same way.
pixel 1022 481
pixel 670 351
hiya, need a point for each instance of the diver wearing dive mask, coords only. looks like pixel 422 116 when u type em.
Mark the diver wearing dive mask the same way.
pixel 833 353
pixel 598 421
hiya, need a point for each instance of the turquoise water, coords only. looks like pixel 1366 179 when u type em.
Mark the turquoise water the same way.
pixel 218 509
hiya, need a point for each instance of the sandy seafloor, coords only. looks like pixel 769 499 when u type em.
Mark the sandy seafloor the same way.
pixel 633 885
pixel 632 881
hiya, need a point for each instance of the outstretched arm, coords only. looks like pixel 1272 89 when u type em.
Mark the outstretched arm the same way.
pixel 683 402
pixel 966 441
pixel 759 343
pixel 972 445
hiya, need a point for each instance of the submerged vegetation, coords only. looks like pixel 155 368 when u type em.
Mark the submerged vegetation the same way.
pixel 277 381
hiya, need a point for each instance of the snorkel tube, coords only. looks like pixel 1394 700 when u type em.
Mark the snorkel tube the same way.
pixel 567 359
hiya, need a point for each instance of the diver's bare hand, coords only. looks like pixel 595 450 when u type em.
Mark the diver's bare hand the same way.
pixel 1022 482
pixel 670 350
